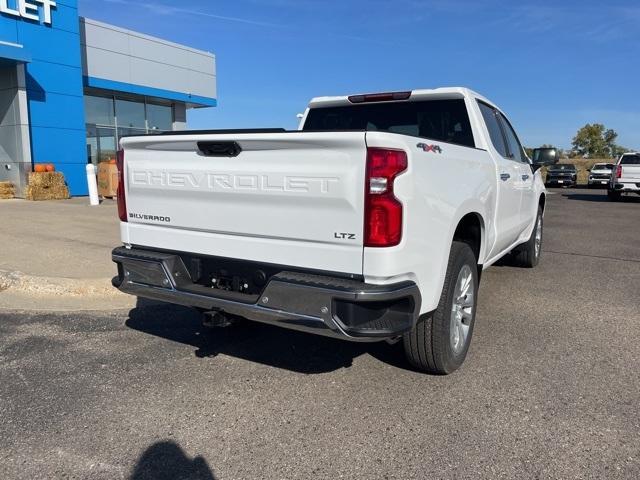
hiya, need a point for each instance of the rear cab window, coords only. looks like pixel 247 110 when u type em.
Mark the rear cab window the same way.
pixel 441 120
pixel 632 159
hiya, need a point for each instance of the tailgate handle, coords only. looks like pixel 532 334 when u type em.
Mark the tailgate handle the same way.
pixel 220 149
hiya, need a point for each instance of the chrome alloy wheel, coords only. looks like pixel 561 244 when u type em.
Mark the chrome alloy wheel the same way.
pixel 538 240
pixel 462 309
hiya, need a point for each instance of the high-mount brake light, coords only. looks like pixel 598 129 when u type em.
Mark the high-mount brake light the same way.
pixel 380 97
pixel 383 211
pixel 122 201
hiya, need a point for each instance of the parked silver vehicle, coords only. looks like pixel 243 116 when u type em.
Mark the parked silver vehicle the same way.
pixel 600 174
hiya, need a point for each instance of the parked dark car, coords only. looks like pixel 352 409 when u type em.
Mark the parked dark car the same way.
pixel 562 175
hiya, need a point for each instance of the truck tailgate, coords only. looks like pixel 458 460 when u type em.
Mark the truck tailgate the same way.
pixel 294 198
pixel 631 172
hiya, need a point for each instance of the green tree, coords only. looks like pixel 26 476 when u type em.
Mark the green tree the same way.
pixel 595 141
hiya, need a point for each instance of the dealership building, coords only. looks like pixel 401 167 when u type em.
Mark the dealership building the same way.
pixel 70 87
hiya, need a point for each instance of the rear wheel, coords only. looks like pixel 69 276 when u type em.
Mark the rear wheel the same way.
pixel 528 254
pixel 440 340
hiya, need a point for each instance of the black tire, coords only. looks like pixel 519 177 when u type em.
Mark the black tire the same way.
pixel 428 347
pixel 614 196
pixel 527 255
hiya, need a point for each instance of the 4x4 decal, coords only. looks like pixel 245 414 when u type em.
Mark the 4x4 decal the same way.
pixel 429 148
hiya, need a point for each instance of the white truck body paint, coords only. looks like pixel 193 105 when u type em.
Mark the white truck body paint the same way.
pixel 629 179
pixel 284 198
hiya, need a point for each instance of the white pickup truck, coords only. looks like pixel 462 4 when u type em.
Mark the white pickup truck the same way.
pixel 625 177
pixel 371 222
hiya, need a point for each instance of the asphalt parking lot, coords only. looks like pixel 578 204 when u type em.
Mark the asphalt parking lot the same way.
pixel 550 389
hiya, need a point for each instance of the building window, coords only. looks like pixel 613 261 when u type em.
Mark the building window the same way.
pixel 99 110
pixel 159 117
pixel 130 114
pixel 109 118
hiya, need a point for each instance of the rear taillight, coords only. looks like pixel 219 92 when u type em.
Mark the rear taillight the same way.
pixel 122 201
pixel 383 211
pixel 619 171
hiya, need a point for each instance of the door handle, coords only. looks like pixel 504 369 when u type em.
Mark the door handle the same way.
pixel 525 177
pixel 504 177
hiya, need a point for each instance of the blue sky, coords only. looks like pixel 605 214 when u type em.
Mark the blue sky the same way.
pixel 552 66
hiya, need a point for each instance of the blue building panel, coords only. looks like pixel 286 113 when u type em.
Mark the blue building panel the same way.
pixel 55 110
pixel 66 149
pixel 65 17
pixel 53 78
pixel 76 176
pixel 13 54
pixel 59 145
pixel 50 44
pixel 8 29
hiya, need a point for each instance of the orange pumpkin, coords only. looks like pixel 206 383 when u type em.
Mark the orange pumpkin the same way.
pixel 40 168
pixel 49 167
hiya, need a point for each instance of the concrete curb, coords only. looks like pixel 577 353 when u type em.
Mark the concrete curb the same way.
pixel 19 291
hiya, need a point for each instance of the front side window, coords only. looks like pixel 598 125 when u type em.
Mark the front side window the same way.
pixel 516 152
pixel 495 132
pixel 441 120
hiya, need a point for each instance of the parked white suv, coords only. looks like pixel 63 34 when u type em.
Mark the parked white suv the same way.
pixel 371 222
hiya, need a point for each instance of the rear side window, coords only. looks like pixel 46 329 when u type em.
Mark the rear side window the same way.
pixel 495 132
pixel 630 159
pixel 441 120
pixel 515 149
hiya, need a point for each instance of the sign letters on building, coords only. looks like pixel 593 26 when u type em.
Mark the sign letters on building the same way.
pixel 36 10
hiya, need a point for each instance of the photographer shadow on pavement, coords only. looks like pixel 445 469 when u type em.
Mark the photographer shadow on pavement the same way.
pixel 256 342
pixel 167 461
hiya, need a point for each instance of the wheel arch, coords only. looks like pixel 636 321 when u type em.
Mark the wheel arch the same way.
pixel 470 229
pixel 542 201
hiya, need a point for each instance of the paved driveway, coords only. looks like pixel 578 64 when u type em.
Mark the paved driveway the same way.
pixel 551 387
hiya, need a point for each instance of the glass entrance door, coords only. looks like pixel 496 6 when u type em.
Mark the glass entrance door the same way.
pixel 101 144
